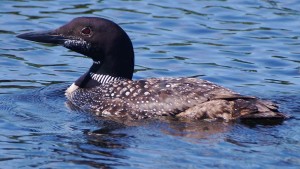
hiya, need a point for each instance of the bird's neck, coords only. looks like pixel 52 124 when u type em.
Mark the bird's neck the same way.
pixel 113 62
pixel 101 73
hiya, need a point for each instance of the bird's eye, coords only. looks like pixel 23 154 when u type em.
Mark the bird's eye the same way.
pixel 86 31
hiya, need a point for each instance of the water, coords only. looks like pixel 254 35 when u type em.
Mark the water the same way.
pixel 249 46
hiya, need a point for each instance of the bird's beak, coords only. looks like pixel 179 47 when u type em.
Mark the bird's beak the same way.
pixel 44 36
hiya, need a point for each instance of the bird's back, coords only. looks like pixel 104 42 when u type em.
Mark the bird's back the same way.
pixel 182 97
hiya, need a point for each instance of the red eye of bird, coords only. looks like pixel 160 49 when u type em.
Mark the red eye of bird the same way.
pixel 86 31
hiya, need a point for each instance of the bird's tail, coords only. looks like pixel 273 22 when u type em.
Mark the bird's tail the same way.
pixel 236 107
pixel 256 110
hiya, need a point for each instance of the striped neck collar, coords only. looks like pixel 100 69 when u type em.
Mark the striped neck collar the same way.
pixel 97 62
pixel 100 78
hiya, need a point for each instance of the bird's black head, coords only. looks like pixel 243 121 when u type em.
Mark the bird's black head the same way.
pixel 100 39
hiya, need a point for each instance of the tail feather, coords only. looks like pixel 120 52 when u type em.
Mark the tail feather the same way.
pixel 235 107
pixel 264 110
pixel 247 107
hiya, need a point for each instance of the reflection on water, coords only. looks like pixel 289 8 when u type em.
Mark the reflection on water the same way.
pixel 248 46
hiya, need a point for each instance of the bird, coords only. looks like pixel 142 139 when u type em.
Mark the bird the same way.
pixel 108 89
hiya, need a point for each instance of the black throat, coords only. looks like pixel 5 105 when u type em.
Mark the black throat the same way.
pixel 114 62
pixel 99 74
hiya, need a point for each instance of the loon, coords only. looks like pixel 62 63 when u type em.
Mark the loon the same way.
pixel 108 90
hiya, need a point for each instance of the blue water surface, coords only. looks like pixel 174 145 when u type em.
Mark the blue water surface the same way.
pixel 252 47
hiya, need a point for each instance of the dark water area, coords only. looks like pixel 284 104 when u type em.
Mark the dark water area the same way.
pixel 252 47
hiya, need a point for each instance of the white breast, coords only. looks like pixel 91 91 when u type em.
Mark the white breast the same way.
pixel 71 89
